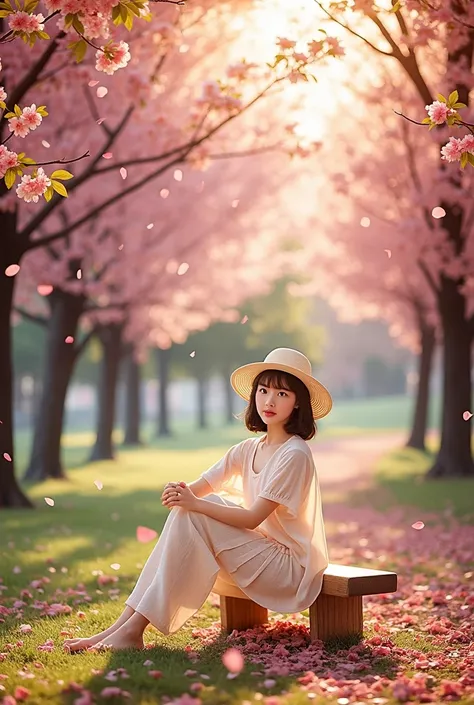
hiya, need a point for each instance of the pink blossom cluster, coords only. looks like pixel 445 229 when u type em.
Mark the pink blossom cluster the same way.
pixel 456 147
pixel 8 160
pixel 32 187
pixel 25 123
pixel 439 112
pixel 112 57
pixel 24 22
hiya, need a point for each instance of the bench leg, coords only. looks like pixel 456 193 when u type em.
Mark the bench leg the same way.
pixel 331 616
pixel 241 614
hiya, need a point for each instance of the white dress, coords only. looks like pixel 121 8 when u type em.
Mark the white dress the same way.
pixel 278 565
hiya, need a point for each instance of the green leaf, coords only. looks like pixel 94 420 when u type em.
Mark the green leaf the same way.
pixel 43 35
pixel 68 20
pixel 62 174
pixel 48 194
pixel 3 105
pixel 470 158
pixel 123 13
pixel 464 159
pixel 129 21
pixel 441 98
pixel 27 161
pixel 79 50
pixel 453 97
pixel 10 178
pixel 31 6
pixel 5 13
pixel 426 121
pixel 459 105
pixel 133 8
pixel 77 24
pixel 17 110
pixel 59 188
pixel 5 6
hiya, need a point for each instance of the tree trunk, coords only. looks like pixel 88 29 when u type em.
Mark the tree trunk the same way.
pixel 202 384
pixel 132 401
pixel 420 416
pixel 229 398
pixel 60 358
pixel 454 457
pixel 10 492
pixel 110 337
pixel 162 359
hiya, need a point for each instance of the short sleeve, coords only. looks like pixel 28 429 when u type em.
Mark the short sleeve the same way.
pixel 222 472
pixel 289 481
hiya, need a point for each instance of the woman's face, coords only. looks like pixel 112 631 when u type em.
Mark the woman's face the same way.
pixel 274 406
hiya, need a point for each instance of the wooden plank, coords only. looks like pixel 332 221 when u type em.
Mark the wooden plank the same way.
pixel 348 581
pixel 241 614
pixel 331 617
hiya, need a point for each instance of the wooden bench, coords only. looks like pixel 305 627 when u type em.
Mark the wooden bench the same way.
pixel 337 612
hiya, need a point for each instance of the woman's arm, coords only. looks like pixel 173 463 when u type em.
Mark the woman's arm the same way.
pixel 237 516
pixel 200 487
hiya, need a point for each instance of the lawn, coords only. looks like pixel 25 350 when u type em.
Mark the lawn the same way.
pixel 57 578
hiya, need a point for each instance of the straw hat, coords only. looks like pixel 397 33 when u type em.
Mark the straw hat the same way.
pixel 284 360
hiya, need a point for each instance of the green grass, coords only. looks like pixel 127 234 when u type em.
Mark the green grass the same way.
pixel 400 479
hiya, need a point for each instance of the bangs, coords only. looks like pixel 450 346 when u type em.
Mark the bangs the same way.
pixel 276 380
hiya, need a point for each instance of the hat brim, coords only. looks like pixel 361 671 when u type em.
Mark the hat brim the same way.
pixel 242 380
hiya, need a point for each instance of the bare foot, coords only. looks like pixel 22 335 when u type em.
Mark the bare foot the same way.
pixel 86 642
pixel 122 638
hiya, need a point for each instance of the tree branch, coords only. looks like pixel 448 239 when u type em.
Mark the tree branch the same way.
pixel 352 31
pixel 30 79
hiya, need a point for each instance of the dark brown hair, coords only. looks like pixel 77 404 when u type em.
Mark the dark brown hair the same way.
pixel 301 422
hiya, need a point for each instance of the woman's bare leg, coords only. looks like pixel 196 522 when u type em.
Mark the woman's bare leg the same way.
pixel 81 644
pixel 128 636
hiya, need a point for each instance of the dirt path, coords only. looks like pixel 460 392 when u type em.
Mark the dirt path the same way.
pixel 351 459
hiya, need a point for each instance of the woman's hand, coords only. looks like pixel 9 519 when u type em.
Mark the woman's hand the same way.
pixel 168 492
pixel 182 496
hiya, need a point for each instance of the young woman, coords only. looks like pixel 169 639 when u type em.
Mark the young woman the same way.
pixel 265 537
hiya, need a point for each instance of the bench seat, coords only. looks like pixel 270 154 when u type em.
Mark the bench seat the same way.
pixel 336 613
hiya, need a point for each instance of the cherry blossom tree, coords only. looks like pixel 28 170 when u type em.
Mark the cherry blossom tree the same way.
pixel 408 38
pixel 168 143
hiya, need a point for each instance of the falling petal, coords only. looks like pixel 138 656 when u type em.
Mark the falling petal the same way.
pixel 123 173
pixel 164 193
pixel 193 354
pixel 25 628
pixel 12 270
pixel 7 456
pixel 102 91
pixel 92 83
pixel 418 525
pixel 233 660
pixel 16 569
pixel 178 175
pixel 45 144
pixel 115 566
pixel 389 253
pixel 467 415
pixel 149 226
pixel 79 274
pixel 107 155
pixel 235 203
pixel 144 534
pixel 120 247
pixel 244 319
pixel 44 289
pixel 98 484
pixel 100 121
pixel 438 212
pixel 49 501
pixel 183 268
pixel 69 339
pixel 365 222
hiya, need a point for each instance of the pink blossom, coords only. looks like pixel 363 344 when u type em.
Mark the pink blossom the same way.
pixel 24 22
pixel 21 693
pixel 315 47
pixel 453 150
pixel 32 187
pixel 467 144
pixel 3 94
pixel 438 112
pixel 284 43
pixel 8 160
pixel 18 127
pixel 112 57
pixel 31 117
pixel 335 48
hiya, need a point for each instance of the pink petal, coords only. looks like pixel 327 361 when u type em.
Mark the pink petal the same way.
pixel 115 566
pixel 235 203
pixel 193 354
pixel 144 534
pixel 100 121
pixel 45 144
pixel 150 226
pixel 44 289
pixel 418 525
pixel 107 155
pixel 102 91
pixel 49 501
pixel 389 253
pixel 244 319
pixel 123 173
pixel 120 247
pixel 233 660
pixel 438 212
pixel 7 456
pixel 69 339
pixel 164 193
pixel 92 83
pixel 98 484
pixel 467 415
pixel 12 269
